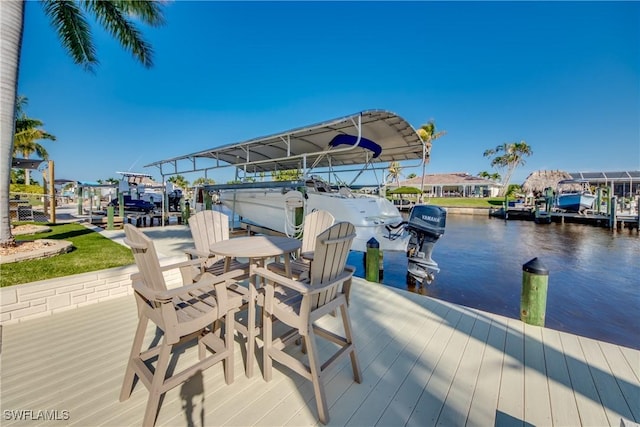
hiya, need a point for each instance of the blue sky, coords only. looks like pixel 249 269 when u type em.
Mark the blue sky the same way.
pixel 563 76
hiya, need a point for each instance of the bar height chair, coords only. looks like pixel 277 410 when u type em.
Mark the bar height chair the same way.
pixel 315 296
pixel 194 311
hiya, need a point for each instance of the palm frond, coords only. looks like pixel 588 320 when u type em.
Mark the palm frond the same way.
pixel 21 103
pixel 111 15
pixel 23 123
pixel 75 35
pixel 148 12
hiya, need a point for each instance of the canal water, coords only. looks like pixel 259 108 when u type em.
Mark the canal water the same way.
pixel 594 274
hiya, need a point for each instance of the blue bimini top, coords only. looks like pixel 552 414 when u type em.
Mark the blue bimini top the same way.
pixel 344 139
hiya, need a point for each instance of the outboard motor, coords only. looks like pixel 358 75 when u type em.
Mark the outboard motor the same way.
pixel 426 225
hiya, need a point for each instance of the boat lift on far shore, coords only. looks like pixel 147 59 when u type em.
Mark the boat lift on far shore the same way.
pixel 609 213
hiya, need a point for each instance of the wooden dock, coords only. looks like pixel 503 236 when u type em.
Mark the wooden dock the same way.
pixel 425 362
pixel 598 220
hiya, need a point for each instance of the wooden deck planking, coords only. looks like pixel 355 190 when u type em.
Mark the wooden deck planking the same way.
pixel 564 410
pixel 510 410
pixel 423 361
pixel 435 391
pixel 404 402
pixel 537 407
pixel 344 395
pixel 622 371
pixel 633 358
pixel 416 336
pixel 608 388
pixel 378 340
pixel 590 408
pixel 487 389
pixel 460 395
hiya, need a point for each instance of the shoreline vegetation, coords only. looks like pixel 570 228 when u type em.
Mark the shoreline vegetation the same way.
pixel 93 252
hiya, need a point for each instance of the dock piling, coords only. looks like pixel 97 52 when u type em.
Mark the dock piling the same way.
pixel 613 213
pixel 533 299
pixel 372 267
pixel 186 212
pixel 109 217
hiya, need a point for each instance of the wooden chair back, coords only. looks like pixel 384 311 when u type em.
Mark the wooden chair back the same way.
pixel 208 227
pixel 144 252
pixel 329 261
pixel 314 223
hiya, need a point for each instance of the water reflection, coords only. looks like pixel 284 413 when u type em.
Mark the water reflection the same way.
pixel 593 279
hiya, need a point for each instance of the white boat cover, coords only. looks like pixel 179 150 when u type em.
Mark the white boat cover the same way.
pixel 384 137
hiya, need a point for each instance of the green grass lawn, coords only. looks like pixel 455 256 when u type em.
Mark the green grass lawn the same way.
pixel 466 202
pixel 91 252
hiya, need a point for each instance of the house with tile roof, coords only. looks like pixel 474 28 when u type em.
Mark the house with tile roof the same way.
pixel 459 184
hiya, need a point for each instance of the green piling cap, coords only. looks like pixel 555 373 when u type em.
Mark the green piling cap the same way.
pixel 372 243
pixel 535 266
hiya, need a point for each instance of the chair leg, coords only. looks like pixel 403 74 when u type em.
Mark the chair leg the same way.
pixel 267 336
pixel 136 349
pixel 202 348
pixel 348 331
pixel 156 389
pixel 318 387
pixel 228 343
pixel 251 333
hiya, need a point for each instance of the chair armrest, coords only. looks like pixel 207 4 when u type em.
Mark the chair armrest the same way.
pixel 189 263
pixel 281 280
pixel 192 252
pixel 182 266
pixel 301 287
pixel 206 280
pixel 342 277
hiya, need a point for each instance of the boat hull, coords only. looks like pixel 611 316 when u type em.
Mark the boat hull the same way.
pixel 370 215
pixel 575 202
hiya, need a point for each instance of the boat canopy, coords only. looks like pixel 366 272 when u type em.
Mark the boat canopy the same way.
pixel 359 139
pixel 354 140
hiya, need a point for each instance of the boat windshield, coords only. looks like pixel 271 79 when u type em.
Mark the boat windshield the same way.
pixel 318 184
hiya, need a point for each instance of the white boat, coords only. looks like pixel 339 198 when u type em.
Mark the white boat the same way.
pixel 275 208
pixel 366 141
pixel 574 196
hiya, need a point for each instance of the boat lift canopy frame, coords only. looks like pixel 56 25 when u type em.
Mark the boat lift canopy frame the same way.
pixel 296 148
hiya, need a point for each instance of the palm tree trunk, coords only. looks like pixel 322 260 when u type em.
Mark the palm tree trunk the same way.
pixel 27 174
pixel 11 26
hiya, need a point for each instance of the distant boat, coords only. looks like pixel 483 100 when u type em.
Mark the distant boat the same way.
pixel 574 195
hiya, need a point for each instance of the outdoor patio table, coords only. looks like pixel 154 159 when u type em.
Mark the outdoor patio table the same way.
pixel 257 249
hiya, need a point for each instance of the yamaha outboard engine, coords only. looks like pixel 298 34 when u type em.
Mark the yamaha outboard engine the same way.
pixel 426 225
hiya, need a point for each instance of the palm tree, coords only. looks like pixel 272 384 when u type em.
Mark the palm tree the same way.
pixel 68 18
pixel 27 133
pixel 428 134
pixel 179 181
pixel 512 157
pixel 203 181
pixel 492 176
